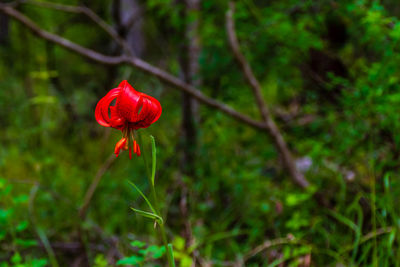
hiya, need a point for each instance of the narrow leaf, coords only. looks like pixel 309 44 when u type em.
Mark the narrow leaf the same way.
pixel 149 215
pixel 171 255
pixel 144 197
pixel 344 220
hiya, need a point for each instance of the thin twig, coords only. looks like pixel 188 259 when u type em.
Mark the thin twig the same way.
pixel 370 235
pixel 267 244
pixel 90 14
pixel 271 126
pixel 93 186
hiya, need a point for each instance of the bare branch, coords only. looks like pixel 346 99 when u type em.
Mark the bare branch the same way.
pixel 93 186
pixel 268 124
pixel 247 71
pixel 90 14
pixel 271 126
pixel 133 61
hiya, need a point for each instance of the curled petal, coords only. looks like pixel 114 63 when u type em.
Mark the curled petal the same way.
pixel 144 113
pixel 128 101
pixel 116 121
pixel 132 109
pixel 101 112
pixel 156 107
pixel 149 113
pixel 137 109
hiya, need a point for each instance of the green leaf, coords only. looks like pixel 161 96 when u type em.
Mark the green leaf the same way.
pixel 26 242
pixel 21 199
pixel 5 214
pixel 343 220
pixel 179 243
pixel 22 226
pixel 2 183
pixel 155 252
pixel 37 100
pixel 144 197
pixel 16 258
pixel 100 261
pixel 39 262
pixel 2 234
pixel 149 215
pixel 132 260
pixel 138 244
pixel 171 254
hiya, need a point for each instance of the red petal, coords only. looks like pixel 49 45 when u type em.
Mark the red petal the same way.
pixel 128 102
pixel 144 112
pixel 101 112
pixel 156 107
pixel 115 120
pixel 150 112
pixel 139 109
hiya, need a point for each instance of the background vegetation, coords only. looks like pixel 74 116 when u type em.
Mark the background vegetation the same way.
pixel 329 73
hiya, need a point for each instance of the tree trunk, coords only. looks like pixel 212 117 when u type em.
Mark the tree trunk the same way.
pixel 189 71
pixel 4 29
pixel 189 63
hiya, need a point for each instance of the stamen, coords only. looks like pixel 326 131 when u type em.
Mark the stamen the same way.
pixel 138 150
pixel 134 147
pixel 120 144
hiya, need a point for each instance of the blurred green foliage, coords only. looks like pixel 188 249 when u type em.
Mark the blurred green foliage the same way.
pixel 330 74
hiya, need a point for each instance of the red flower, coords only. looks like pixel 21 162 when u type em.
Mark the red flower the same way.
pixel 132 110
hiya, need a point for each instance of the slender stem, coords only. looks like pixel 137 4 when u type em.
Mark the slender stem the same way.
pixel 168 251
pixel 162 228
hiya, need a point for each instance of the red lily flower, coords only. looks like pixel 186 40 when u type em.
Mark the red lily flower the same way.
pixel 132 110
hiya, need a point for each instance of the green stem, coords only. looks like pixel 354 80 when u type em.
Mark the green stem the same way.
pixel 168 250
pixel 171 262
pixel 150 177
